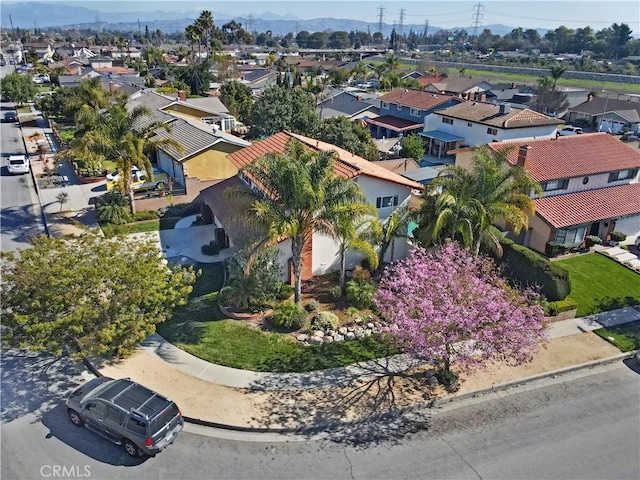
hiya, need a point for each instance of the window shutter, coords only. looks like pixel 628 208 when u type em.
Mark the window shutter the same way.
pixel 565 184
pixel 378 202
pixel 395 200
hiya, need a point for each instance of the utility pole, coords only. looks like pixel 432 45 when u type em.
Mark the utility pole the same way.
pixel 401 27
pixel 381 10
pixel 477 16
pixel 250 23
pixel 139 32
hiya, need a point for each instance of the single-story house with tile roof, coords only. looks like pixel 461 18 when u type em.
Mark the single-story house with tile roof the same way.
pixel 606 114
pixel 205 155
pixel 473 123
pixel 403 111
pixel 460 86
pixel 590 183
pixel 350 105
pixel 385 190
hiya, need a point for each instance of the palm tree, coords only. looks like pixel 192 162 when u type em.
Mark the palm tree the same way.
pixel 354 229
pixel 472 202
pixel 359 71
pixel 395 226
pixel 556 71
pixel 205 20
pixel 302 195
pixel 192 35
pixel 392 63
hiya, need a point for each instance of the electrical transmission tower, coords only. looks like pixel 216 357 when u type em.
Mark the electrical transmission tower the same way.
pixel 381 10
pixel 477 20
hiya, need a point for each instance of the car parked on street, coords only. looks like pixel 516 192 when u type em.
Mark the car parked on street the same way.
pixel 10 117
pixel 18 164
pixel 126 413
pixel 568 130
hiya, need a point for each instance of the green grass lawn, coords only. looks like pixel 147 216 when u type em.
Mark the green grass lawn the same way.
pixel 599 284
pixel 626 337
pixel 202 330
pixel 23 109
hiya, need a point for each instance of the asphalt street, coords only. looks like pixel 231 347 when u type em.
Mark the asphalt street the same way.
pixel 584 428
pixel 18 200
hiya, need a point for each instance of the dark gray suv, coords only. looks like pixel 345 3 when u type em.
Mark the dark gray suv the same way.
pixel 126 413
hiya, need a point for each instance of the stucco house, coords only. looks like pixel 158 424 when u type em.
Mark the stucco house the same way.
pixel 590 183
pixel 403 111
pixel 461 86
pixel 472 123
pixel 607 114
pixel 385 190
pixel 352 105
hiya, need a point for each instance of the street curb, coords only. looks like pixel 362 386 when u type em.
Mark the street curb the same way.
pixel 397 412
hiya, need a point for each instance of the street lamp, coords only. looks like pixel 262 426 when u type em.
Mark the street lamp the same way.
pixel 604 110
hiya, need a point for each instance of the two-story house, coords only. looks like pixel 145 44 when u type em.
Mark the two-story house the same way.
pixel 403 111
pixel 590 183
pixel 474 123
pixel 384 189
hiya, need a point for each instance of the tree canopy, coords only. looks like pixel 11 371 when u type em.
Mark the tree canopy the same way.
pixel 18 87
pixel 238 99
pixel 351 136
pixel 412 147
pixel 88 296
pixel 448 306
pixel 280 108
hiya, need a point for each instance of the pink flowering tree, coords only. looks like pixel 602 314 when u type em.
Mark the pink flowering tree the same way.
pixel 448 306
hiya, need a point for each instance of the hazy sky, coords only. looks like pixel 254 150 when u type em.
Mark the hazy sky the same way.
pixel 445 14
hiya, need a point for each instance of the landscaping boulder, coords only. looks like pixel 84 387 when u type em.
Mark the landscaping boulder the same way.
pixel 343 330
pixel 338 338
pixel 315 340
pixel 303 337
pixel 368 332
pixel 432 381
pixel 327 339
pixel 318 333
pixel 350 336
pixel 370 326
pixel 359 333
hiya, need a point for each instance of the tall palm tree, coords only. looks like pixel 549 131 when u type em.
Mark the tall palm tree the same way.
pixel 393 63
pixel 302 195
pixel 205 20
pixel 192 35
pixel 556 71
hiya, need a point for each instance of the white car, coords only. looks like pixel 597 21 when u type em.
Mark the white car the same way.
pixel 18 164
pixel 115 175
pixel 568 130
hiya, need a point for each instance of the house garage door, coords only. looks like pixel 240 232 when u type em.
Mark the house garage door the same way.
pixel 167 165
pixel 630 226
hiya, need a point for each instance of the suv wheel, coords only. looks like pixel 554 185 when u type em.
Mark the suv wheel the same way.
pixel 75 418
pixel 131 448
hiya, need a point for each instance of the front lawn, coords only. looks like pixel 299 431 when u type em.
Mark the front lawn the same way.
pixel 599 284
pixel 202 330
pixel 626 336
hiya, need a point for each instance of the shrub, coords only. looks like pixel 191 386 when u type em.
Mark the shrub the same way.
pixel 554 308
pixel 617 236
pixel 591 240
pixel 289 315
pixel 360 294
pixel 352 311
pixel 312 305
pixel 324 321
pixel 145 215
pixel 212 248
pixel 181 210
pixel 336 292
pixel 361 275
pixel 447 378
pixel 553 249
pixel 527 268
pixel 285 292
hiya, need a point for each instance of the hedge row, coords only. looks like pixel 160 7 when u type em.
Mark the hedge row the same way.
pixel 552 309
pixel 527 268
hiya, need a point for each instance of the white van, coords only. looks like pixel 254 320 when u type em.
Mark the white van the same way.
pixel 18 164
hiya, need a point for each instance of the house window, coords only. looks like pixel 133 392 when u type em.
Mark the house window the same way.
pixel 399 107
pixel 416 112
pixel 570 236
pixel 492 131
pixel 552 185
pixel 469 124
pixel 385 105
pixel 388 201
pixel 622 175
pixel 245 179
pixel 447 120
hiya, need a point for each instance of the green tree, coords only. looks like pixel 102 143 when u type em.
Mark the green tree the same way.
pixel 556 71
pixel 395 226
pixel 392 63
pixel 205 22
pixel 412 147
pixel 18 88
pixel 351 136
pixel 471 203
pixel 280 108
pixel 303 196
pixel 74 295
pixel 238 98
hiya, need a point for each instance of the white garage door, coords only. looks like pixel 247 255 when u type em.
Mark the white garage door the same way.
pixel 630 226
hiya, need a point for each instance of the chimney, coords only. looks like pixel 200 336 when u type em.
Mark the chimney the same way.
pixel 589 97
pixel 359 98
pixel 79 70
pixel 472 96
pixel 112 87
pixel 505 108
pixel 513 84
pixel 483 97
pixel 523 152
pixel 182 96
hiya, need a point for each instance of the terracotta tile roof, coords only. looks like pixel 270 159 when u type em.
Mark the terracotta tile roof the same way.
pixel 589 206
pixel 417 98
pixel 395 123
pixel 347 166
pixel 572 156
pixel 489 114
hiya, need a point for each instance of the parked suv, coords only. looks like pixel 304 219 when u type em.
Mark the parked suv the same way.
pixel 18 164
pixel 126 413
pixel 569 130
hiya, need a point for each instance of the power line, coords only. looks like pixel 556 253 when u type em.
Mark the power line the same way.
pixel 477 15
pixel 401 23
pixel 381 10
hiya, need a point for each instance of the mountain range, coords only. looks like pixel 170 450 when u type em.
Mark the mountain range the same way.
pixel 28 15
